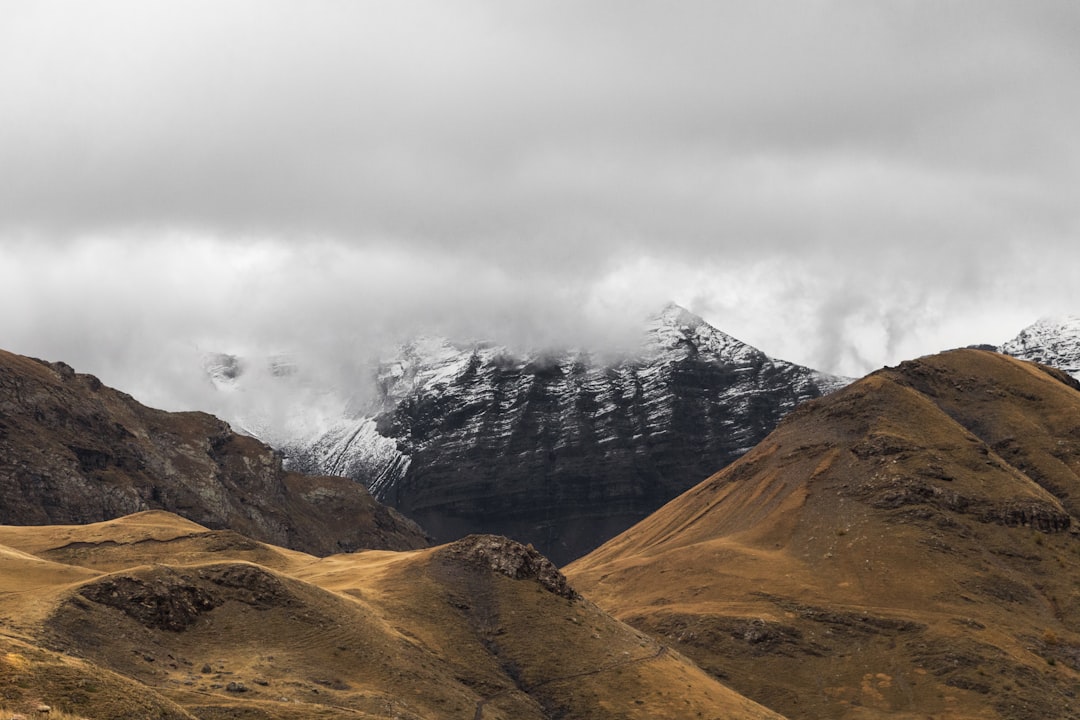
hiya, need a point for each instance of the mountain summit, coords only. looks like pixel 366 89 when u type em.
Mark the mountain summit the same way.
pixel 561 449
pixel 1053 341
pixel 676 329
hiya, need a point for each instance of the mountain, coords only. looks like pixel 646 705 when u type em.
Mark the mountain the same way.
pixel 73 451
pixel 154 616
pixel 1051 341
pixel 558 449
pixel 905 547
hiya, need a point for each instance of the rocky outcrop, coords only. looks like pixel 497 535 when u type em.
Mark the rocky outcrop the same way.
pixel 73 451
pixel 509 558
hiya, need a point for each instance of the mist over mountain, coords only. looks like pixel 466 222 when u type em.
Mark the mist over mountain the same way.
pixel 558 448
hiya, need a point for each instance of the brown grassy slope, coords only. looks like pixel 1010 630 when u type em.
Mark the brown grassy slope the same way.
pixel 902 548
pixel 530 648
pixel 74 451
pixel 483 628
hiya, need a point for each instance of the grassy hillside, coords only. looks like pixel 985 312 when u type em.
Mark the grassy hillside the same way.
pixel 903 548
pixel 154 616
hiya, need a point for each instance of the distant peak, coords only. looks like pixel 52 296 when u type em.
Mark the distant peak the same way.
pixel 1050 328
pixel 676 329
pixel 1059 322
pixel 675 315
pixel 1052 340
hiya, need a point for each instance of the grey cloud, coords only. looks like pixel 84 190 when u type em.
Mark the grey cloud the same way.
pixel 487 121
pixel 491 168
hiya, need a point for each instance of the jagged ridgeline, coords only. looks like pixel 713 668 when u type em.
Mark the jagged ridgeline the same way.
pixel 561 450
pixel 1053 341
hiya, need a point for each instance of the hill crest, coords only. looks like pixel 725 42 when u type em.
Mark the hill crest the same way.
pixel 926 504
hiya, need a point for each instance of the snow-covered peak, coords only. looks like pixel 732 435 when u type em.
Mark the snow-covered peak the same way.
pixel 430 363
pixel 677 330
pixel 1053 341
pixel 427 362
pixel 675 315
pixel 287 401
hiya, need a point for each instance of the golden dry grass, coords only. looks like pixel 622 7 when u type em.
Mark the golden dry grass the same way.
pixel 895 550
pixel 53 714
pixel 179 612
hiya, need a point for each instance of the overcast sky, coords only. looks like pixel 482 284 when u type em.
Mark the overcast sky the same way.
pixel 844 184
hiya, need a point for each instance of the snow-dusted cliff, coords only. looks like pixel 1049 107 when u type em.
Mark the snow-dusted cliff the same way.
pixel 560 449
pixel 1053 341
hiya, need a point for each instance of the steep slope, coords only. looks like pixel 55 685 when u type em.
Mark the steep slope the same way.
pixel 484 628
pixel 905 547
pixel 74 451
pixel 564 449
pixel 1053 341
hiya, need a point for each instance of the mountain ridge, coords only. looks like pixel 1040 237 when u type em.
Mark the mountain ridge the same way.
pixel 1051 340
pixel 904 545
pixel 561 449
pixel 75 451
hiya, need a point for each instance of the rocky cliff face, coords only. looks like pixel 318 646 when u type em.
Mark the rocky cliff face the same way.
pixel 1051 341
pixel 73 451
pixel 561 450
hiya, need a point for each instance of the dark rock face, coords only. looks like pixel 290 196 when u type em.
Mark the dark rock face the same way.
pixel 564 451
pixel 170 600
pixel 73 451
pixel 173 606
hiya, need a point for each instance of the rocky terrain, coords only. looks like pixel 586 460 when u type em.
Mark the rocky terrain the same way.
pixel 905 547
pixel 73 451
pixel 561 450
pixel 154 616
pixel 1053 341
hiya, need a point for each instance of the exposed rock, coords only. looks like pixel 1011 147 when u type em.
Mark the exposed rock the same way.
pixel 74 452
pixel 512 559
pixel 165 605
pixel 167 599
